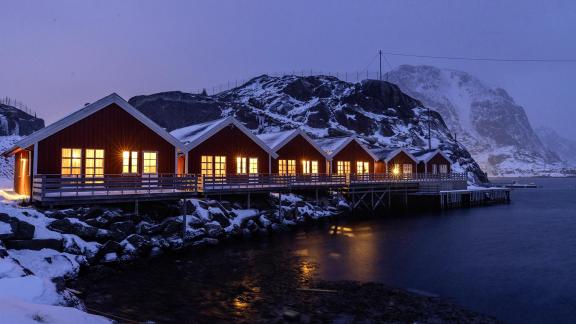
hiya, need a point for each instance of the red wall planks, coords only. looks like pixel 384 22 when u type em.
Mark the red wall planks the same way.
pixel 111 129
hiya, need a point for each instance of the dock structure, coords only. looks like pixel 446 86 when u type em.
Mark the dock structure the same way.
pixel 364 191
pixel 473 197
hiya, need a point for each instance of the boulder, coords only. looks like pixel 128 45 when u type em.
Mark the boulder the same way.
pixel 171 227
pixel 100 222
pixel 94 212
pixel 207 241
pixel 252 226
pixel 203 204
pixel 25 231
pixel 8 227
pixel 214 229
pixel 221 219
pixel 148 229
pixel 109 247
pixel 74 226
pixel 124 227
pixel 37 245
pixel 226 205
pixel 300 203
pixel 195 234
pixel 140 243
pixel 195 222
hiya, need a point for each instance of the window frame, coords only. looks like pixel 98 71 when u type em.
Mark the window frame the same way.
pixel 94 158
pixel 71 159
pixel 144 162
pixel 132 162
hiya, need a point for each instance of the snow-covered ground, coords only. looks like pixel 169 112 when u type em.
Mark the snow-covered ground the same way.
pixel 27 293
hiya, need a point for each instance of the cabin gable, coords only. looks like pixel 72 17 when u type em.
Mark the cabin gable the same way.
pixel 353 152
pixel 400 159
pixel 230 142
pixel 112 129
pixel 299 149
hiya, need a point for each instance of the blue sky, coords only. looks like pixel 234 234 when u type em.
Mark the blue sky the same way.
pixel 55 56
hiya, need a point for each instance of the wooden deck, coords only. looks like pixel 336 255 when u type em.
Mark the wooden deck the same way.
pixel 55 189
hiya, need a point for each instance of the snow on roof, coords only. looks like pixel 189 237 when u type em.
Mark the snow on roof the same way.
pixel 275 139
pixel 386 154
pixel 427 155
pixel 190 133
pixel 333 144
pixel 87 111
pixel 193 135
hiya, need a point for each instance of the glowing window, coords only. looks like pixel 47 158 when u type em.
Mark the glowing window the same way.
pixel 129 162
pixel 253 165
pixel 306 167
pixel 314 167
pixel 287 167
pixel 407 169
pixel 150 162
pixel 362 167
pixel 343 167
pixel 396 169
pixel 220 166
pixel 94 163
pixel 206 165
pixel 241 165
pixel 71 162
pixel 434 168
pixel 443 168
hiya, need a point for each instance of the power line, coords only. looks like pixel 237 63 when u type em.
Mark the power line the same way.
pixel 464 58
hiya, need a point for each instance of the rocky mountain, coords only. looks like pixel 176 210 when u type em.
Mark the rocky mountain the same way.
pixel 563 147
pixel 485 119
pixel 378 112
pixel 14 121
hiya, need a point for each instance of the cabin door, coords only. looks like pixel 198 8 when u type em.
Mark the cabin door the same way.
pixel 22 172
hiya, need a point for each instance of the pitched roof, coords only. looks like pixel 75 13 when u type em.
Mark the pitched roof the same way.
pixel 277 140
pixel 87 111
pixel 333 145
pixel 387 154
pixel 427 155
pixel 193 135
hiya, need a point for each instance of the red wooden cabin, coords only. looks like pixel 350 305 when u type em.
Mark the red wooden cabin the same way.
pixel 397 162
pixel 107 137
pixel 348 155
pixel 433 162
pixel 297 153
pixel 224 147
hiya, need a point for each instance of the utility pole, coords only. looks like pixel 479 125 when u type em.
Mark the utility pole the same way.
pixel 429 131
pixel 380 53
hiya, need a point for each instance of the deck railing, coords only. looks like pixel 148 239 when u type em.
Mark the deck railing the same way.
pixel 57 186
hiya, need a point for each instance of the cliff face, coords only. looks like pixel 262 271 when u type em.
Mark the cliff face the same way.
pixel 379 113
pixel 16 122
pixel 487 121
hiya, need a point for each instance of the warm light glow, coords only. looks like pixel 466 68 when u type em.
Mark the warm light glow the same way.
pixel 253 165
pixel 241 165
pixel 206 165
pixel 287 167
pixel 71 164
pixel 396 169
pixel 220 166
pixel 11 195
pixel 341 230
pixel 343 167
pixel 150 160
pixel 129 162
pixel 94 163
pixel 309 167
pixel 362 167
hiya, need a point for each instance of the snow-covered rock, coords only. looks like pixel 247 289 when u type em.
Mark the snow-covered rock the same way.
pixel 565 148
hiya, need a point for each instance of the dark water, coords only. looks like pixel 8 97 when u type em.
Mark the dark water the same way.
pixel 516 262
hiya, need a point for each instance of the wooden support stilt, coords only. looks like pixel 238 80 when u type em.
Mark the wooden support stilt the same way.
pixel 184 212
pixel 136 211
pixel 279 205
pixel 248 200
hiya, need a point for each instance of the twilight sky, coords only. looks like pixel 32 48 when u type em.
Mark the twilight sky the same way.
pixel 56 56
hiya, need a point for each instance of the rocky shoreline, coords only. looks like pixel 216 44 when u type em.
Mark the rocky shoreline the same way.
pixel 57 244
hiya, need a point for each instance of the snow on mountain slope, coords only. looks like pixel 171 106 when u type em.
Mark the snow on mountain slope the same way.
pixel 14 121
pixel 378 112
pixel 485 119
pixel 563 147
pixel 7 164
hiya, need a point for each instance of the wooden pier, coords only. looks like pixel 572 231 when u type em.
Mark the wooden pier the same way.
pixel 473 198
